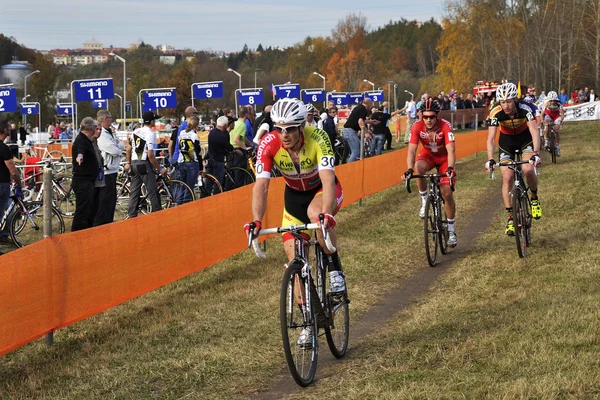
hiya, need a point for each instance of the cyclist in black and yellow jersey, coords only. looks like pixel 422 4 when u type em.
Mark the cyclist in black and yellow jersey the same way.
pixel 518 131
pixel 304 156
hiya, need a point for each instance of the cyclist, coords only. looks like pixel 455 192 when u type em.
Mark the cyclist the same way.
pixel 7 171
pixel 435 134
pixel 305 157
pixel 552 112
pixel 518 131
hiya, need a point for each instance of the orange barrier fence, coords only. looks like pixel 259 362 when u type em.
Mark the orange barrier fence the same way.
pixel 76 275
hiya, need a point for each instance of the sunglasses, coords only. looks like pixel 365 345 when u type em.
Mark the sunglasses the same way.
pixel 429 116
pixel 332 112
pixel 289 129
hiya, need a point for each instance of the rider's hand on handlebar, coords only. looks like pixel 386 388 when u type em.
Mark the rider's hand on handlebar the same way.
pixel 255 225
pixel 451 172
pixel 536 160
pixel 490 164
pixel 19 192
pixel 408 174
pixel 328 222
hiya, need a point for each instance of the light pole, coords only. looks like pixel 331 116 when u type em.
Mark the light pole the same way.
pixel 390 95
pixel 324 90
pixel 239 76
pixel 255 71
pixel 122 109
pixel 124 99
pixel 370 83
pixel 395 97
pixel 25 95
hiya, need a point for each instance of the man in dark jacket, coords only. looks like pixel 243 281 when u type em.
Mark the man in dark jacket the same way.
pixel 85 173
pixel 218 148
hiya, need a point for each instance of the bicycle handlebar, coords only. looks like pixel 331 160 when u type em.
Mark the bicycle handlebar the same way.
pixel 427 176
pixel 509 164
pixel 253 239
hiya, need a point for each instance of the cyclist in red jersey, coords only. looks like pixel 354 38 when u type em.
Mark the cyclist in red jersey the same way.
pixel 435 134
pixel 553 112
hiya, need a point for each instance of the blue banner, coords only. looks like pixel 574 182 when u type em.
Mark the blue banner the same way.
pixel 100 103
pixel 8 100
pixel 355 98
pixel 128 107
pixel 64 109
pixel 207 90
pixel 375 96
pixel 290 90
pixel 160 99
pixel 313 95
pixel 96 89
pixel 30 108
pixel 250 97
pixel 339 99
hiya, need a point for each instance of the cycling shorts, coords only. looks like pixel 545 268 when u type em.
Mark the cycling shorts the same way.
pixel 548 119
pixel 507 144
pixel 296 204
pixel 439 162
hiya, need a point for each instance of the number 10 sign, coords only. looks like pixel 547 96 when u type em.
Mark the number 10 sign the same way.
pixel 94 89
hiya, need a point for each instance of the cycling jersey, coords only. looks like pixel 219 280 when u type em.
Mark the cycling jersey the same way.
pixel 552 111
pixel 443 136
pixel 508 125
pixel 187 151
pixel 143 141
pixel 316 154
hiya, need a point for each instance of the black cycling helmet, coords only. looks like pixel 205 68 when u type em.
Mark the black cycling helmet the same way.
pixel 430 105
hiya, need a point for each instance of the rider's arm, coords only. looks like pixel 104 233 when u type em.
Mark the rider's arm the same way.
pixel 562 114
pixel 328 181
pixel 14 173
pixel 451 149
pixel 491 142
pixel 259 198
pixel 535 135
pixel 410 155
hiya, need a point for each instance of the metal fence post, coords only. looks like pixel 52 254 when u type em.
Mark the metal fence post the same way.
pixel 47 179
pixel 362 154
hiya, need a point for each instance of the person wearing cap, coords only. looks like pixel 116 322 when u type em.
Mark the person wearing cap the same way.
pixel 143 164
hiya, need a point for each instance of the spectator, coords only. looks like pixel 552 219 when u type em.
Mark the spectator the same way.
pixel 13 142
pixel 592 95
pixel 388 133
pixel 379 129
pixel 356 122
pixel 7 170
pixel 310 116
pixel 218 148
pixel 143 163
pixel 563 97
pixel 325 114
pixel 190 156
pixel 250 116
pixel 263 124
pixel 111 149
pixel 174 143
pixel 237 138
pixel 581 98
pixel 411 115
pixel 330 126
pixel 86 171
pixel 586 91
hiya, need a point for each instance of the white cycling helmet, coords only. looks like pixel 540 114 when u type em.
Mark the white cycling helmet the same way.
pixel 552 96
pixel 309 107
pixel 506 91
pixel 288 111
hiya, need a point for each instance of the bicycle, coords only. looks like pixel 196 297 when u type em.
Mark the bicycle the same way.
pixel 236 177
pixel 435 221
pixel 304 304
pixel 25 221
pixel 207 185
pixel 63 196
pixel 521 204
pixel 552 142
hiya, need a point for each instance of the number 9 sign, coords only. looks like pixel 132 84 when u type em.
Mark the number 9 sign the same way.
pixel 207 90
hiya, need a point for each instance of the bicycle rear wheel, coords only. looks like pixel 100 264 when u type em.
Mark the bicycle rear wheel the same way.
pixel 65 202
pixel 442 226
pixel 210 186
pixel 27 226
pixel 294 317
pixel 552 144
pixel 431 232
pixel 241 176
pixel 519 220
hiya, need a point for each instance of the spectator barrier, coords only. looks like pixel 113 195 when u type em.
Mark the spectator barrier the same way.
pixel 65 278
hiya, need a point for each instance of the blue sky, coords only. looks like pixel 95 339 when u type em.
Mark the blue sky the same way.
pixel 195 24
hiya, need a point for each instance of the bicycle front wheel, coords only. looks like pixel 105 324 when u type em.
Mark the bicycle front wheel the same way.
pixel 175 193
pixel 520 222
pixel 241 176
pixel 65 198
pixel 431 232
pixel 297 317
pixel 210 186
pixel 27 225
pixel 552 145
pixel 442 225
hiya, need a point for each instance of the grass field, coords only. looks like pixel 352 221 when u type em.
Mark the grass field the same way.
pixel 494 326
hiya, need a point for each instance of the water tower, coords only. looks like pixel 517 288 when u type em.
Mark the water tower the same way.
pixel 14 73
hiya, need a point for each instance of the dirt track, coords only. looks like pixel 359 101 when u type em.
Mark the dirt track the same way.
pixel 396 301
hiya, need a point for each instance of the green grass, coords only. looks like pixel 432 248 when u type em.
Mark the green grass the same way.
pixel 493 327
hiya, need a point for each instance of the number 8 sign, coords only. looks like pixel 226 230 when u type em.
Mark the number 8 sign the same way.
pixel 250 96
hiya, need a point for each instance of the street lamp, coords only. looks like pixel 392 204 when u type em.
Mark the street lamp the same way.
pixel 119 96
pixel 25 95
pixel 124 99
pixel 239 76
pixel 390 95
pixel 411 93
pixel 23 99
pixel 255 71
pixel 370 83
pixel 322 77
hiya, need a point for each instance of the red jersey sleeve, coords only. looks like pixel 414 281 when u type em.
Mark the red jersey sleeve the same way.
pixel 269 145
pixel 415 130
pixel 447 131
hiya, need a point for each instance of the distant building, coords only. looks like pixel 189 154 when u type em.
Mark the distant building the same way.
pixel 92 45
pixel 168 60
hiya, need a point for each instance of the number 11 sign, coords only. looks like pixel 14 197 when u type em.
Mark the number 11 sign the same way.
pixel 94 89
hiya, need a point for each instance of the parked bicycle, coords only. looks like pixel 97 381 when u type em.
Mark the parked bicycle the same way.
pixel 25 221
pixel 521 204
pixel 435 221
pixel 305 303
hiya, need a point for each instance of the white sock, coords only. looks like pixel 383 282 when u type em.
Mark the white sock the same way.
pixel 423 197
pixel 450 225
